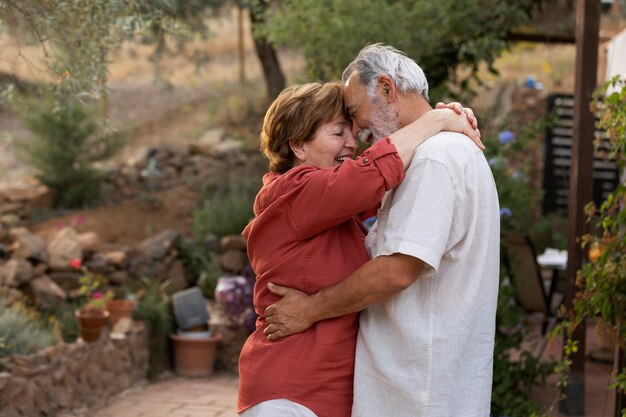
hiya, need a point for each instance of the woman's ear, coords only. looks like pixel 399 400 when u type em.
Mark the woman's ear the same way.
pixel 298 150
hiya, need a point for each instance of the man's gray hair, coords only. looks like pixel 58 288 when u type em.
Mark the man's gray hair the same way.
pixel 379 59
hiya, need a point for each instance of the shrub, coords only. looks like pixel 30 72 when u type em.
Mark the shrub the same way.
pixel 21 332
pixel 201 266
pixel 227 211
pixel 153 309
pixel 68 140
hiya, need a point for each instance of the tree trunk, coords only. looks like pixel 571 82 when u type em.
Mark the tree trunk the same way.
pixel 274 77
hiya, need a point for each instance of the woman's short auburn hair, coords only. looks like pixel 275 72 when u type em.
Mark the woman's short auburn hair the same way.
pixel 294 117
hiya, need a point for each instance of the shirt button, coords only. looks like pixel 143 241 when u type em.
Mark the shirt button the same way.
pixel 366 160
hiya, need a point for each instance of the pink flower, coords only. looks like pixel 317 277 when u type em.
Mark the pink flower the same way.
pixel 76 263
pixel 97 295
pixel 78 220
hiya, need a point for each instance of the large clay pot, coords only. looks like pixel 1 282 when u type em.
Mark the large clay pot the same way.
pixel 91 323
pixel 194 353
pixel 119 309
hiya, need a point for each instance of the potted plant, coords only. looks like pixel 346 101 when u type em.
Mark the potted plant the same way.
pixel 93 314
pixel 121 305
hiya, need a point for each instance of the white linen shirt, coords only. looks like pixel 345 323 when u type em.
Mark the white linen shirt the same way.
pixel 428 350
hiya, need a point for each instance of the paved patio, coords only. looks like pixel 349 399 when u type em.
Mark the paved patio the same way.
pixel 216 396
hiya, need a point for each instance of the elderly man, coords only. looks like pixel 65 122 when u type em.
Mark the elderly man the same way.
pixel 425 344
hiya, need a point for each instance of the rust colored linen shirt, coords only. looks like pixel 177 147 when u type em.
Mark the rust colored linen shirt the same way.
pixel 307 234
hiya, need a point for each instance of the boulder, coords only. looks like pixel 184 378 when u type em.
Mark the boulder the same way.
pixel 89 241
pixel 45 292
pixel 208 141
pixel 28 245
pixel 10 220
pixel 233 261
pixel 118 258
pixel 177 278
pixel 63 248
pixel 16 272
pixel 68 280
pixel 98 264
pixel 233 242
pixel 158 246
pixel 118 277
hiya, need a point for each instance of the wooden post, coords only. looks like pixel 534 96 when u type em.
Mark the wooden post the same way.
pixel 620 397
pixel 581 182
pixel 242 55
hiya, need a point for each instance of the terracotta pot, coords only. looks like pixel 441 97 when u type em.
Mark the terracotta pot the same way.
pixel 119 309
pixel 91 323
pixel 195 355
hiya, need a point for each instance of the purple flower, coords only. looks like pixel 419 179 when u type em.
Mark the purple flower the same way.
pixel 505 212
pixel 506 136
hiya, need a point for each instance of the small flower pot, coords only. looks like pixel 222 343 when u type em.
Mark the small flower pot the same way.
pixel 119 309
pixel 91 323
pixel 194 353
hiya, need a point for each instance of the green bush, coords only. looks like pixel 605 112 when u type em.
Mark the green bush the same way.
pixel 227 211
pixel 21 332
pixel 154 310
pixel 63 320
pixel 68 140
pixel 201 266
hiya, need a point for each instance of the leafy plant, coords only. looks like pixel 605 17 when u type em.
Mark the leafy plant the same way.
pixel 67 142
pixel 516 370
pixel 602 280
pixel 153 309
pixel 227 211
pixel 201 266
pixel 21 331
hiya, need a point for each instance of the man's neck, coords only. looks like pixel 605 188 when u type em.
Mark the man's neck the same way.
pixel 412 107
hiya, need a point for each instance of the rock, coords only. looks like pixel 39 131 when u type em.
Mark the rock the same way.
pixel 158 246
pixel 89 241
pixel 233 261
pixel 98 264
pixel 14 208
pixel 212 243
pixel 141 266
pixel 4 233
pixel 208 141
pixel 138 157
pixel 28 245
pixel 227 147
pixel 67 280
pixel 45 292
pixel 118 277
pixel 233 242
pixel 176 149
pixel 118 258
pixel 10 220
pixel 16 272
pixel 41 197
pixel 178 280
pixel 63 248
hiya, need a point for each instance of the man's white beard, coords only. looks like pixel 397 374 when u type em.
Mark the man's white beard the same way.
pixel 384 119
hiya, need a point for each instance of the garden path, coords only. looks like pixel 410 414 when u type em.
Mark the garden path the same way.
pixel 213 396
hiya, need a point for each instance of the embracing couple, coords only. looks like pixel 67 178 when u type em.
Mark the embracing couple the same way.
pixel 396 322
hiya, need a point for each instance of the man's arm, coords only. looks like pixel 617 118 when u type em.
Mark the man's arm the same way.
pixel 375 281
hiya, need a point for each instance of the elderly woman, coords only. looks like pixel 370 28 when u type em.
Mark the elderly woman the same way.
pixel 307 234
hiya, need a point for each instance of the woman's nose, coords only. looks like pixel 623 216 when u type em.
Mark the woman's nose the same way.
pixel 351 141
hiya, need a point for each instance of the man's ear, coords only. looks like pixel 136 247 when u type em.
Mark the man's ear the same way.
pixel 298 149
pixel 387 88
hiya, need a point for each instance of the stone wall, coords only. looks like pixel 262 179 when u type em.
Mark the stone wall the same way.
pixel 68 376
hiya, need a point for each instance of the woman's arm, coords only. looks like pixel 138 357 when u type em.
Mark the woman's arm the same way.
pixel 432 122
